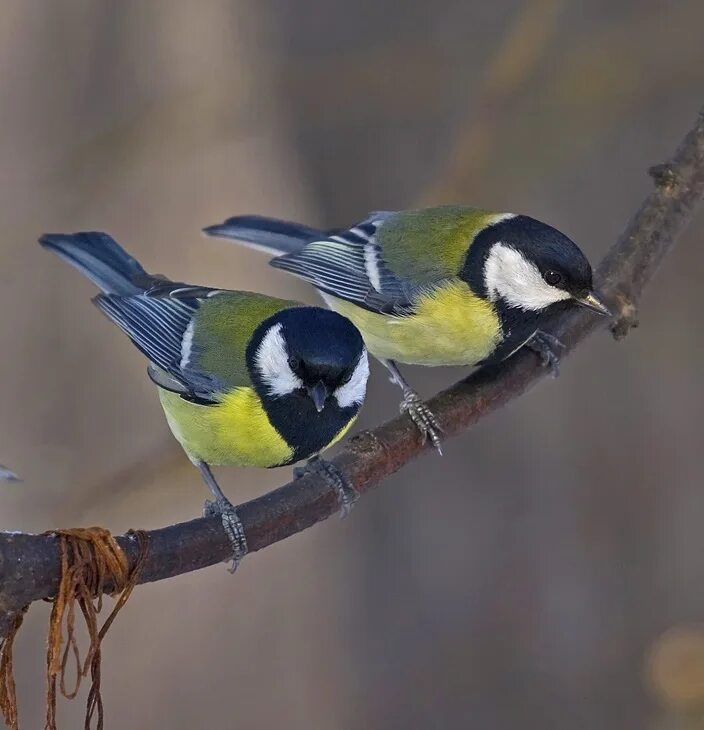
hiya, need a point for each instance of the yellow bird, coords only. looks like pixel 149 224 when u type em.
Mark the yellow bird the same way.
pixel 243 378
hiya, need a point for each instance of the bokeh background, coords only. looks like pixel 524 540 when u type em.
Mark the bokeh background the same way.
pixel 528 578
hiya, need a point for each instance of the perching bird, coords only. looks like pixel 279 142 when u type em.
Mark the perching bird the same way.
pixel 450 285
pixel 243 378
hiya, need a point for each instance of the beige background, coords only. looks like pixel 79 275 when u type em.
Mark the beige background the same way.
pixel 518 582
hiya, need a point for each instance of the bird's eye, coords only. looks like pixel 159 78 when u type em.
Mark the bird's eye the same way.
pixel 345 376
pixel 552 277
pixel 294 363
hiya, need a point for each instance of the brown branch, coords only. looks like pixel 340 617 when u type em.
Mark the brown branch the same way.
pixel 29 564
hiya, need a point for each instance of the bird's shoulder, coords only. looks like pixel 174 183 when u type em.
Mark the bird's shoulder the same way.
pixel 223 326
pixel 430 244
pixel 224 314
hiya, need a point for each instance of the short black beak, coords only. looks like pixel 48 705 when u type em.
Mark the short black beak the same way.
pixel 318 394
pixel 591 301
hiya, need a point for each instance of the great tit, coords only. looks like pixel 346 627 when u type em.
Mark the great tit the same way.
pixel 243 378
pixel 450 285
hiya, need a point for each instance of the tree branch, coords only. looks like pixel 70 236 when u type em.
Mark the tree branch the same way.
pixel 29 564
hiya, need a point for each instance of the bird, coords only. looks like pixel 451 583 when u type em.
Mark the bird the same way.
pixel 7 475
pixel 243 378
pixel 446 285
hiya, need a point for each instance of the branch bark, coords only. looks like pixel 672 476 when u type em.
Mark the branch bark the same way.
pixel 29 564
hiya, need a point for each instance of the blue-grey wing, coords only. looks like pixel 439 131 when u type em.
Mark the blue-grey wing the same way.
pixel 160 323
pixel 350 265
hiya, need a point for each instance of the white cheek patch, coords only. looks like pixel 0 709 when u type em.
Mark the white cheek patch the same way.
pixel 271 359
pixel 510 276
pixel 353 391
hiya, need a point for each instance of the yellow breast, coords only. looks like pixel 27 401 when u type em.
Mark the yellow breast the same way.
pixel 450 326
pixel 237 431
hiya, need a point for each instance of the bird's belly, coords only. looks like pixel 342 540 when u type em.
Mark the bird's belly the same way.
pixel 236 431
pixel 450 326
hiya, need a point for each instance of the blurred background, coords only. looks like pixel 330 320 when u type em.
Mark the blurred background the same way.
pixel 548 571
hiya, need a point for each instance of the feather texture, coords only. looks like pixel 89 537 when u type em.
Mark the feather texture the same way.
pixel 266 234
pixel 350 265
pixel 157 325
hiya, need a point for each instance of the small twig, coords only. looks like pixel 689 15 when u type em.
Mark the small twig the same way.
pixel 29 564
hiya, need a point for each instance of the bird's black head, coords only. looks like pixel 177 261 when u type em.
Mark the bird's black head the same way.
pixel 312 356
pixel 528 265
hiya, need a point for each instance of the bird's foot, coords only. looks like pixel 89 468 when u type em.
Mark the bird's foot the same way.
pixel 232 526
pixel 423 417
pixel 549 349
pixel 346 494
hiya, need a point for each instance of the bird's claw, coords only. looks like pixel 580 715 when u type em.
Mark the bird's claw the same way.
pixel 346 494
pixel 549 349
pixel 423 417
pixel 232 526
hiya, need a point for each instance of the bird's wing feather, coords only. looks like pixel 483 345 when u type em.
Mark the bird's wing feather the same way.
pixel 155 324
pixel 385 263
pixel 161 324
pixel 350 265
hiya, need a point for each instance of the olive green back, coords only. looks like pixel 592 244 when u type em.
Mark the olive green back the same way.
pixel 430 244
pixel 224 325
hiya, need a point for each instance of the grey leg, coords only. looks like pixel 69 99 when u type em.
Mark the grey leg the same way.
pixel 346 494
pixel 222 506
pixel 413 404
pixel 549 349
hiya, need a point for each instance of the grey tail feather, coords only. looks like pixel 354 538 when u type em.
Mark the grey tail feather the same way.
pixel 101 259
pixel 271 235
